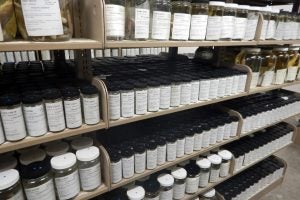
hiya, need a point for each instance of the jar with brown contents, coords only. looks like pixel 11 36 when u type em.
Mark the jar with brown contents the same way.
pixel 181 19
pixel 267 69
pixel 280 26
pixel 8 24
pixel 199 19
pixel 281 65
pixel 293 64
pixel 214 21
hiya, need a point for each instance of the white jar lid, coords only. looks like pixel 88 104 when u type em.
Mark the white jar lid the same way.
pixel 244 7
pixel 274 10
pixel 215 159
pixel 7 162
pixel 216 3
pixel 255 8
pixel 294 48
pixel 210 193
pixel 204 163
pixel 88 154
pixel 57 148
pixel 165 180
pixel 81 143
pixel 179 173
pixel 266 9
pixel 231 5
pixel 8 178
pixel 280 49
pixel 63 161
pixel 32 156
pixel 136 193
pixel 225 154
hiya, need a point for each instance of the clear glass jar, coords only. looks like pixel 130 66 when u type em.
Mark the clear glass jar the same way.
pixel 204 165
pixel 160 19
pixel 140 97
pixel 179 175
pixel 181 19
pixel 266 12
pixel 127 100
pixel 293 64
pixel 214 21
pixel 51 21
pixel 114 102
pixel 215 167
pixel 166 182
pixel 192 180
pixel 240 23
pixel 281 65
pixel 199 19
pixel 288 30
pixel 8 23
pixel 10 185
pixel 280 26
pixel 115 19
pixel 228 21
pixel 267 69
pixel 253 15
pixel 271 30
pixel 90 104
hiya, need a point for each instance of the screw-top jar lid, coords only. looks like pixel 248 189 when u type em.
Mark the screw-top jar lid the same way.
pixel 88 154
pixel 192 169
pixel 204 163
pixel 179 173
pixel 115 156
pixel 152 83
pixel 31 98
pixel 136 193
pixel 63 161
pixel 57 148
pixel 69 92
pixel 8 178
pixel 231 5
pixel 151 186
pixel 215 159
pixel 225 154
pixel 140 84
pixel 244 7
pixel 165 180
pixel 81 143
pixel 51 94
pixel 9 100
pixel 294 48
pixel 7 162
pixel 160 141
pixel 171 138
pixel 217 3
pixel 88 89
pixel 32 156
pixel 139 148
pixel 21 151
pixel 280 49
pixel 210 193
pixel 127 152
pixel 151 145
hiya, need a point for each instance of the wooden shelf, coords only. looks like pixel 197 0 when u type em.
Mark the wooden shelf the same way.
pixel 89 195
pixel 267 189
pixel 277 42
pixel 272 87
pixel 31 141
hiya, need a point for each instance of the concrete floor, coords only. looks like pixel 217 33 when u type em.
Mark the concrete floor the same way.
pixel 290 189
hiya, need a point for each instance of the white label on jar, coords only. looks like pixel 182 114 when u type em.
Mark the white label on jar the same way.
pixel 204 90
pixel 280 30
pixel 140 162
pixel 271 29
pixel 68 186
pixel 90 178
pixel 214 24
pixel 151 159
pixel 239 27
pixel 2 138
pixel 181 26
pixel 189 144
pixel 292 73
pixel 214 175
pixel 264 30
pixel 18 196
pixel 91 110
pixel 114 102
pixel 198 142
pixel 224 169
pixel 195 91
pixel 142 17
pixel 235 84
pixel 127 104
pixel 254 80
pixel 115 20
pixel 242 83
pixel 13 123
pixel 192 185
pixel 267 78
pixel 45 191
pixel 171 151
pixel 251 28
pixel 116 171
pixel 35 120
pixel 228 88
pixel 1 33
pixel 55 116
pixel 161 22
pixel 198 27
pixel 222 87
pixel 213 136
pixel 185 95
pixel 166 195
pixel 153 99
pixel 227 26
pixel 165 97
pixel 161 154
pixel 203 179
pixel 128 167
pixel 227 131
pixel 213 89
pixel 175 95
pixel 141 102
pixel 178 191
pixel 206 139
pixel 42 17
pixel 233 129
pixel 280 76
pixel 180 147
pixel 73 113
pixel 220 133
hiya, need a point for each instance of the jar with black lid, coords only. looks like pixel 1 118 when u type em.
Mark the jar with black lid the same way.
pixel 127 100
pixel 215 167
pixel 199 19
pixel 189 141
pixel 161 150
pixel 153 95
pixel 10 186
pixel 152 189
pixel 166 182
pixel 180 143
pixel 139 158
pixel 116 166
pixel 214 85
pixel 175 91
pixel 90 103
pixel 7 161
pixel 12 117
pixel 165 93
pixel 220 120
pixel 151 155
pixel 185 94
pixel 127 162
pixel 179 175
pixel 213 131
pixel 140 97
pixel 114 101
pixel 192 180
pixel 171 147
pixel 234 125
pixel 198 138
pixel 204 88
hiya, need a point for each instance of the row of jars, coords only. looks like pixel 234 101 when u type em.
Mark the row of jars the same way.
pixel 271 66
pixel 39 21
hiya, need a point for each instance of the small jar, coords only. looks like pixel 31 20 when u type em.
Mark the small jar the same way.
pixel 81 143
pixel 139 158
pixel 152 189
pixel 89 168
pixel 140 98
pixel 153 96
pixel 226 160
pixel 206 136
pixel 198 138
pixel 281 65
pixel 181 19
pixel 136 193
pixel 195 85
pixel 114 102
pixel 228 21
pixel 213 86
pixel 267 68
pixel 57 148
pixel 90 103
pixel 204 165
pixel 127 100
pixel 241 20
pixel 165 94
pixel 116 166
pixel 252 22
pixel 10 186
pixel 189 142
pixel 166 182
pixel 127 162
pixel 204 88
pixel 171 148
pixel 161 150
pixel 210 195
pixel 66 176
pixel 7 162
pixel 215 167
pixel 179 175
pixel 180 144
pixel 114 19
pixel 293 64
pixel 151 155
pixel 54 110
pixel 12 117
pixel 199 19
pixel 234 123
pixel 214 21
pixel 72 107
pixel 192 180
pixel 175 91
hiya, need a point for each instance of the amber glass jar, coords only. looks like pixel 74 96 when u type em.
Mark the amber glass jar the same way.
pixel 267 69
pixel 293 64
pixel 8 24
pixel 281 64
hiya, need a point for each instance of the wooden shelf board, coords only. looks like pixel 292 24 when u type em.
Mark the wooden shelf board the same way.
pixel 78 43
pixel 272 87
pixel 278 42
pixel 267 189
pixel 31 141
pixel 88 195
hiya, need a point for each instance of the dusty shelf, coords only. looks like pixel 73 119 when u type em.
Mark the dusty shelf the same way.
pixel 88 195
pixel 272 87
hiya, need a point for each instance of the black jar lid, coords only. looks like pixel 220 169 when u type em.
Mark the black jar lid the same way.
pixel 51 94
pixel 189 132
pixel 127 86
pixel 115 156
pixel 179 134
pixel 31 98
pixel 9 99
pixel 171 138
pixel 151 186
pixel 88 89
pixel 113 86
pixel 153 83
pixel 35 170
pixel 151 145
pixel 139 148
pixel 192 170
pixel 127 152
pixel 160 141
pixel 69 92
pixel 140 84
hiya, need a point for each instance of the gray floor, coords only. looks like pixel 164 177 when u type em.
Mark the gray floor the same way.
pixel 290 189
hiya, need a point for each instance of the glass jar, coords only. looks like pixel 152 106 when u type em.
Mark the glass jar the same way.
pixel 140 97
pixel 171 148
pixel 210 195
pixel 8 24
pixel 214 21
pixel 192 180
pixel 114 101
pixel 198 138
pixel 199 19
pixel 189 141
pixel 185 94
pixel 293 64
pixel 89 168
pixel 204 165
pixel 57 148
pixel 272 24
pixel 215 167
pixel 228 21
pixel 204 88
pixel 267 69
pixel 12 117
pixel 195 85
pixel 10 186
pixel 160 19
pixel 136 193
pixel 266 12
pixel 240 23
pixel 66 176
pixel 175 91
pixel 153 96
pixel 139 158
pixel 253 15
pixel 165 93
pixel 114 19
pixel 90 104
pixel 181 19
pixel 127 162
pixel 280 26
pixel 116 166
pixel 226 160
pixel 45 21
pixel 137 20
pixel 161 150
pixel 179 175
pixel 281 65
pixel 152 189
pixel 288 30
pixel 166 182
pixel 81 143
pixel 151 155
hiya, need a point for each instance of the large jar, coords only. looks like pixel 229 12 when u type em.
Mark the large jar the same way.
pixel 136 193
pixel 240 24
pixel 272 24
pixel 215 167
pixel 8 24
pixel 192 180
pixel 226 160
pixel 179 175
pixel 204 165
pixel 281 65
pixel 253 15
pixel 267 69
pixel 214 21
pixel 199 19
pixel 228 21
pixel 166 182
pixel 44 21
pixel 266 12
pixel 152 189
pixel 280 26
pixel 293 64
pixel 10 186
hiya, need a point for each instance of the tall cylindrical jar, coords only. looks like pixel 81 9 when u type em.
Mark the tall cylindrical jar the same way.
pixel 165 94
pixel 293 64
pixel 240 22
pixel 153 96
pixel 116 166
pixel 214 21
pixel 151 155
pixel 281 65
pixel 161 150
pixel 10 186
pixel 166 182
pixel 266 12
pixel 215 167
pixel 228 21
pixel 171 147
pixel 192 180
pixel 272 24
pixel 204 165
pixel 199 19
pixel 140 98
pixel 139 158
pixel 127 162
pixel 253 15
pixel 226 158
pixel 267 69
pixel 114 102
pixel 280 26
pixel 127 100
pixel 179 175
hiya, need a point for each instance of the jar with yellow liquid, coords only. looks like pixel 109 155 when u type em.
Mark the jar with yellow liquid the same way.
pixel 293 64
pixel 281 64
pixel 267 69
